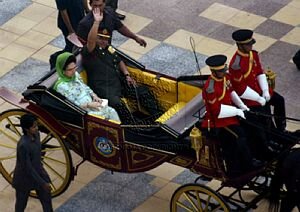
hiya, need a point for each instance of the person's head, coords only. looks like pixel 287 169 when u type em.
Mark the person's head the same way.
pixel 66 66
pixel 97 4
pixel 217 65
pixel 244 39
pixel 28 124
pixel 103 38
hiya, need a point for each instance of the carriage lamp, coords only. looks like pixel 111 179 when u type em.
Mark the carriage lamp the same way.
pixel 271 75
pixel 196 141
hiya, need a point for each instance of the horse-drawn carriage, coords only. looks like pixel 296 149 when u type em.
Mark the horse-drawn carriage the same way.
pixel 138 147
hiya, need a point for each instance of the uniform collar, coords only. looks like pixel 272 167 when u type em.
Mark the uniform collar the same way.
pixel 216 79
pixel 242 53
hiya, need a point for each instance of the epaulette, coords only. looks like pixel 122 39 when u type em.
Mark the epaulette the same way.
pixel 111 49
pixel 210 88
pixel 236 63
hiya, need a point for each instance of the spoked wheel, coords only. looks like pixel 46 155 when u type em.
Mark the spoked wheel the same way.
pixel 56 157
pixel 198 198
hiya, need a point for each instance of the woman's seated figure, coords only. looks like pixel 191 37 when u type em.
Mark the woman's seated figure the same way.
pixel 70 84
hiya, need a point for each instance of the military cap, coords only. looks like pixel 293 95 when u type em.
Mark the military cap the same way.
pixel 243 36
pixel 103 33
pixel 217 62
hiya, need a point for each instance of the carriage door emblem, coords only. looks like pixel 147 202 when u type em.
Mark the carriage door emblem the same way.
pixel 104 146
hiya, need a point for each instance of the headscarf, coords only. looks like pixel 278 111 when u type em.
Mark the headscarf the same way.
pixel 59 66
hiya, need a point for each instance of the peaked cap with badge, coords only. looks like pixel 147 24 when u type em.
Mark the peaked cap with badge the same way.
pixel 217 63
pixel 104 33
pixel 243 36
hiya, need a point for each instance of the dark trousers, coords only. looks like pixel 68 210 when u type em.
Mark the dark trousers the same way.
pixel 290 201
pixel 22 198
pixel 235 149
pixel 69 46
pixel 257 128
pixel 112 3
pixel 278 103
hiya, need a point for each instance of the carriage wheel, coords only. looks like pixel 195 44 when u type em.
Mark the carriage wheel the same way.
pixel 196 197
pixel 56 157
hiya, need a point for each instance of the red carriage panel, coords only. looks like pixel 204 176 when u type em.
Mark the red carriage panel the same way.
pixel 140 158
pixel 76 140
pixel 103 140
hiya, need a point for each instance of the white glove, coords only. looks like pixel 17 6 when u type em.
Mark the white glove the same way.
pixel 262 101
pixel 240 113
pixel 244 107
pixel 266 95
pixel 237 101
pixel 230 111
pixel 263 84
pixel 251 94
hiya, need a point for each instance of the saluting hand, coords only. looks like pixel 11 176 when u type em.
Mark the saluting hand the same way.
pixel 98 15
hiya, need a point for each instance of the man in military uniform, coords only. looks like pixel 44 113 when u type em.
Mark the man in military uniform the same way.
pixel 106 70
pixel 223 105
pixel 110 22
pixel 250 81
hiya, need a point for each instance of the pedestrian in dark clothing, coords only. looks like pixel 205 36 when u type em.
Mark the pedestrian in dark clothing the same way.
pixel 70 12
pixel 29 172
pixel 69 15
pixel 114 4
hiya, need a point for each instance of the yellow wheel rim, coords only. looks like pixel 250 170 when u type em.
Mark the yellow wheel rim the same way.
pixel 56 157
pixel 197 198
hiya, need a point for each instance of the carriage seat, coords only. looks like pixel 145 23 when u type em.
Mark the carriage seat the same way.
pixel 49 82
pixel 182 116
pixel 171 112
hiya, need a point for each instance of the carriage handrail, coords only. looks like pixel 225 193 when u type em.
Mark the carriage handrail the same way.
pixel 192 78
pixel 55 95
pixel 272 115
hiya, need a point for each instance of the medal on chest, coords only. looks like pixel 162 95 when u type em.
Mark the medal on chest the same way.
pixel 227 84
